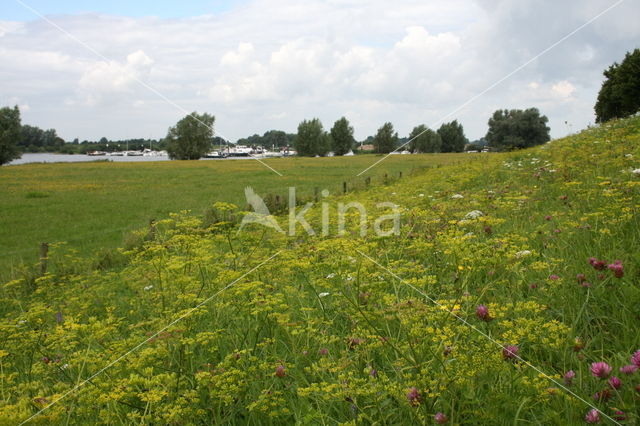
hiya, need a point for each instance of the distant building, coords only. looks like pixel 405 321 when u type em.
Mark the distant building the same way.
pixel 367 147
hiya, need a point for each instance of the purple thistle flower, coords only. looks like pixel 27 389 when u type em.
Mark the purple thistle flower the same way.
pixel 615 382
pixel 482 312
pixel 568 377
pixel 510 351
pixel 628 369
pixel 617 268
pixel 602 396
pixel 600 370
pixel 440 418
pixel 593 416
pixel 554 277
pixel 581 278
pixel 598 265
pixel 619 415
pixel 413 396
pixel 635 359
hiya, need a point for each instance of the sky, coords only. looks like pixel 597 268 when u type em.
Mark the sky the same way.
pixel 123 69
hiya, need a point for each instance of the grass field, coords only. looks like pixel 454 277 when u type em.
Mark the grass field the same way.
pixel 93 205
pixel 509 296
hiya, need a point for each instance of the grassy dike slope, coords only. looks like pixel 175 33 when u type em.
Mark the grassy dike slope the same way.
pixel 255 327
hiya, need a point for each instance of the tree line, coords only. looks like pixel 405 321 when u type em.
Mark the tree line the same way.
pixel 192 137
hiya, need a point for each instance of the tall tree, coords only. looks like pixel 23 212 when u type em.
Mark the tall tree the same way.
pixel 424 140
pixel 311 139
pixel 31 137
pixel 453 138
pixel 516 129
pixel 342 140
pixel 620 92
pixel 274 138
pixel 9 134
pixel 385 139
pixel 191 138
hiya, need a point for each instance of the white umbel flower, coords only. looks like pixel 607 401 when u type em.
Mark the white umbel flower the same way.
pixel 474 214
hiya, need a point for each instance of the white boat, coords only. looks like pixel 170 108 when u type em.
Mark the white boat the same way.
pixel 215 154
pixel 239 151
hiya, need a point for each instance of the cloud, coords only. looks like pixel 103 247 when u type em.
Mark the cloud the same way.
pixel 270 64
pixel 111 78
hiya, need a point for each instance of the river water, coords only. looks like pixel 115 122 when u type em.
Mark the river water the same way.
pixel 75 158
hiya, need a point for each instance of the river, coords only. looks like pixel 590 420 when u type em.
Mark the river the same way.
pixel 76 158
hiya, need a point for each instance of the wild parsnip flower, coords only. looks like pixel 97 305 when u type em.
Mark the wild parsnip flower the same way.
pixel 440 418
pixel 617 268
pixel 510 351
pixel 593 416
pixel 568 377
pixel 413 396
pixel 600 370
pixel 615 382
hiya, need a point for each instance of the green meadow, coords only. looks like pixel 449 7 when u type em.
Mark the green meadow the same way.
pixel 92 206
